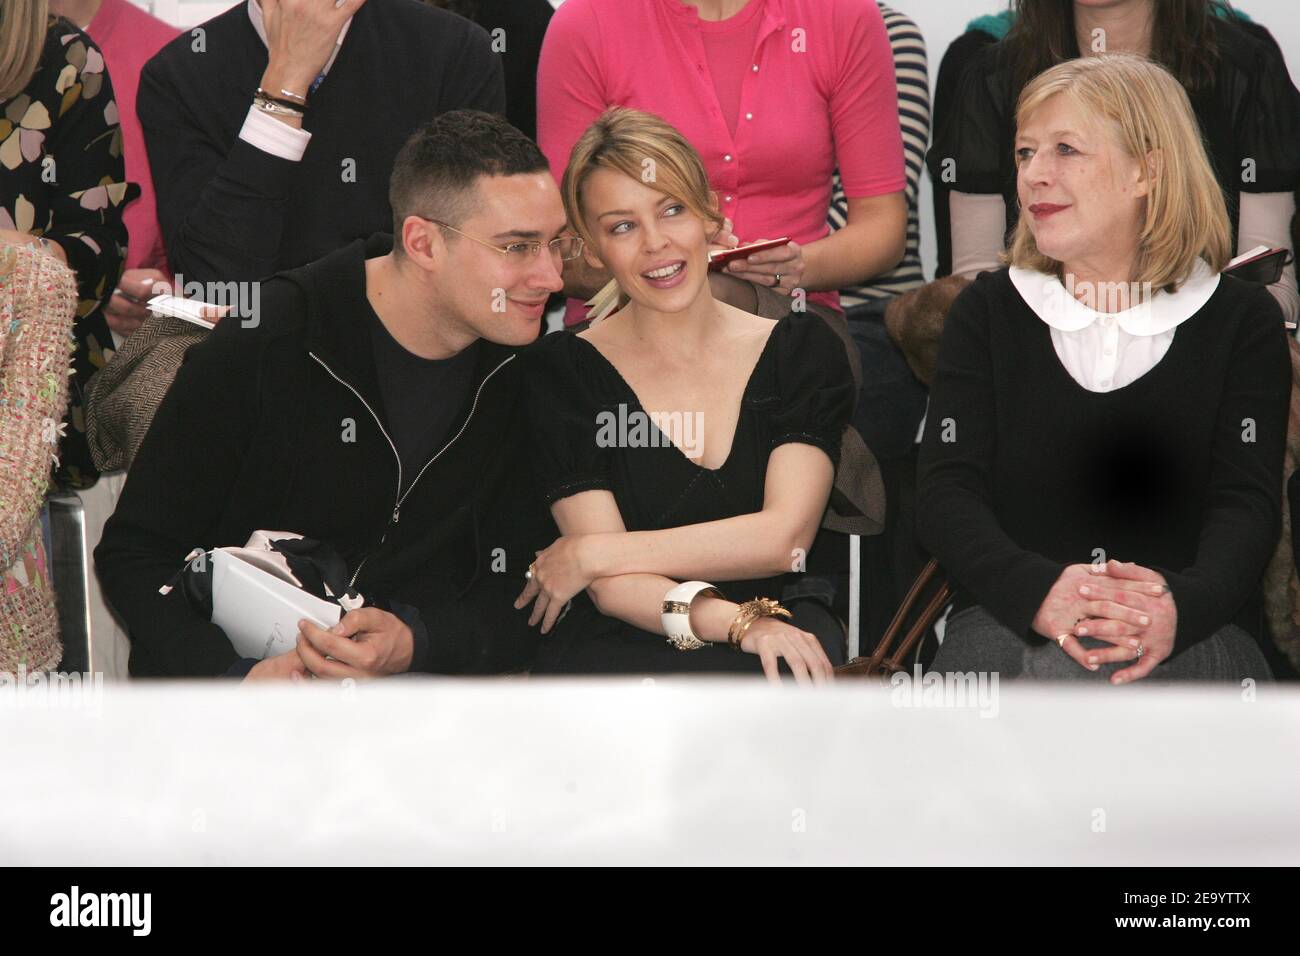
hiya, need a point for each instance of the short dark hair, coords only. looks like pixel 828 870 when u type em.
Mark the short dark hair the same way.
pixel 436 170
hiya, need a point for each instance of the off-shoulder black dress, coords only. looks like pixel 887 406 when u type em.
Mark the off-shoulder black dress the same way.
pixel 801 390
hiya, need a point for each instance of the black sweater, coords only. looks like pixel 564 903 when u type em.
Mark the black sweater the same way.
pixel 252 436
pixel 1038 472
pixel 523 25
pixel 230 211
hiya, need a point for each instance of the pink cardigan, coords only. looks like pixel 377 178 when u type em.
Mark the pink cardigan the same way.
pixel 819 93
pixel 128 37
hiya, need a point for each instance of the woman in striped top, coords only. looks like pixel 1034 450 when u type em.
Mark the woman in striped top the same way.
pixel 891 401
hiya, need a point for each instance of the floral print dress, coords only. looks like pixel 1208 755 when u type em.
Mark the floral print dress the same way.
pixel 62 177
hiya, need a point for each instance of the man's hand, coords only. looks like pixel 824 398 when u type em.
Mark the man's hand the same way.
pixel 127 311
pixel 301 35
pixel 286 666
pixel 366 643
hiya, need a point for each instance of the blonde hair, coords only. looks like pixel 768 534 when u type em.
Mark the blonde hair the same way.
pixel 648 149
pixel 22 38
pixel 1185 216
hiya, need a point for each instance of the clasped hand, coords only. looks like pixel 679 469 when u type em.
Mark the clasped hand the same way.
pixel 1124 604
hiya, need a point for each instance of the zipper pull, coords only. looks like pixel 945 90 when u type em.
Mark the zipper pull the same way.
pixel 396 513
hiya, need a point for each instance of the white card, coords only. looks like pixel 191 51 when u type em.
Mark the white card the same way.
pixel 258 611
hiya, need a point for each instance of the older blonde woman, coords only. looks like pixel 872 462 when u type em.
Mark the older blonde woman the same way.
pixel 1101 468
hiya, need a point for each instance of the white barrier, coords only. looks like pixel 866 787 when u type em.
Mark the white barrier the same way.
pixel 522 771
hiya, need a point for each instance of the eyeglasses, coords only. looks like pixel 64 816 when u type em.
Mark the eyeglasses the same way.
pixel 566 247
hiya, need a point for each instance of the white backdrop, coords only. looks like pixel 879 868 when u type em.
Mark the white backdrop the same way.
pixel 941 21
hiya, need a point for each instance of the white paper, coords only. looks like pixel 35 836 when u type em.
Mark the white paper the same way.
pixel 188 310
pixel 258 611
pixel 1248 254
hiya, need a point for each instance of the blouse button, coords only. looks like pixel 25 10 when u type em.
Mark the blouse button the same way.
pixel 728 198
pixel 749 116
pixel 1109 351
pixel 755 67
pixel 727 158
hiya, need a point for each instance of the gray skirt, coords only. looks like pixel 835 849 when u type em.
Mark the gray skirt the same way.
pixel 975 641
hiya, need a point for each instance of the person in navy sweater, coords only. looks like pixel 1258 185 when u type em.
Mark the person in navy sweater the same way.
pixel 1101 471
pixel 252 183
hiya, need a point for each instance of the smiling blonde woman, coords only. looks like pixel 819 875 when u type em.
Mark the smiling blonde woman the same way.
pixel 735 499
pixel 1102 461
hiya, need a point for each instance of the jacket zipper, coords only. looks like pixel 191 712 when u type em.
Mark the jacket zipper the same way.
pixel 400 496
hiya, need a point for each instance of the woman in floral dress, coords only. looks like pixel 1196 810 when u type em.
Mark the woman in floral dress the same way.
pixel 63 182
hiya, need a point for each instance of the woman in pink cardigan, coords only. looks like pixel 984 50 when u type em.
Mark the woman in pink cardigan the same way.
pixel 774 95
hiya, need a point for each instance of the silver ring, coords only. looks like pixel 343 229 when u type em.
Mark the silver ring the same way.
pixel 528 575
pixel 1141 650
pixel 778 280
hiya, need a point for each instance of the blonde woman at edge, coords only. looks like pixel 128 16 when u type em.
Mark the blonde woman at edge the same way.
pixel 1101 471
pixel 686 448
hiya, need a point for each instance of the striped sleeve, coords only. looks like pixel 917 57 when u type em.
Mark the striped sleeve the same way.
pixel 912 78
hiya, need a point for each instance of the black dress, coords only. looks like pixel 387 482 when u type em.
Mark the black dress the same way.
pixel 1249 120
pixel 801 390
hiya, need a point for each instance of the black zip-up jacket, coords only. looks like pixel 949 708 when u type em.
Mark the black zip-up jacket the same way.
pixel 280 426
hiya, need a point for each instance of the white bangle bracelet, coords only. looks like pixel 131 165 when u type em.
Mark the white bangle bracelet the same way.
pixel 675 616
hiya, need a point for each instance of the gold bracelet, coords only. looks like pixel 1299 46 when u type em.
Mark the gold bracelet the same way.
pixel 748 613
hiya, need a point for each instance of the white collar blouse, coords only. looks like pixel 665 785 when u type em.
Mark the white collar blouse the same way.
pixel 1105 351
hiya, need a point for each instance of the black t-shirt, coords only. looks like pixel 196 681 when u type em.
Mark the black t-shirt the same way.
pixel 1249 119
pixel 424 399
